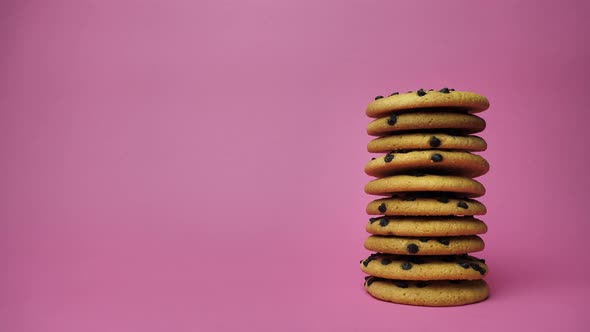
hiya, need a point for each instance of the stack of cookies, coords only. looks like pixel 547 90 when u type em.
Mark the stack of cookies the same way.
pixel 423 228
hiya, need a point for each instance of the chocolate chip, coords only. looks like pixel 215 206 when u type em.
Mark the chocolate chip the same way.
pixel 368 260
pixel 443 199
pixel 370 281
pixel 482 260
pixel 394 93
pixel 401 284
pixel 416 173
pixel 386 261
pixel 384 221
pixel 421 93
pixel 382 208
pixel 437 158
pixel 444 240
pixel 413 248
pixel 464 265
pixel 476 267
pixel 444 90
pixel 451 89
pixel 373 158
pixel 434 141
pixel 378 97
pixel 372 220
pixel 389 157
pixel 462 205
pixel 392 120
pixel 421 284
pixel 406 266
pixel 430 89
pixel 423 239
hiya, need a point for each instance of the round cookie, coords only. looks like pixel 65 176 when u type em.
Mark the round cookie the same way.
pixel 426 226
pixel 446 162
pixel 425 183
pixel 400 267
pixel 426 141
pixel 425 206
pixel 428 293
pixel 447 99
pixel 459 122
pixel 416 246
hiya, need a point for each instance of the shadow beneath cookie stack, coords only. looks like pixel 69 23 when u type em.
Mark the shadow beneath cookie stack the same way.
pixel 424 225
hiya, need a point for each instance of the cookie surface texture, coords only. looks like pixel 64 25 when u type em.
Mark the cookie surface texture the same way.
pixel 458 122
pixel 425 226
pixel 435 246
pixel 453 100
pixel 424 268
pixel 429 293
pixel 438 161
pixel 425 183
pixel 424 206
pixel 426 141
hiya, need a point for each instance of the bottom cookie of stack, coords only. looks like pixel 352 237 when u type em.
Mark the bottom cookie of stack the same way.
pixel 440 293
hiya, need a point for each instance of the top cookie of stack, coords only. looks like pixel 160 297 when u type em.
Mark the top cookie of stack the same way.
pixel 426 174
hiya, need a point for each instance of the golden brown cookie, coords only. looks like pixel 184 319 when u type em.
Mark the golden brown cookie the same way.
pixel 427 293
pixel 401 267
pixel 417 246
pixel 444 99
pixel 426 141
pixel 458 122
pixel 425 183
pixel 438 161
pixel 425 206
pixel 426 226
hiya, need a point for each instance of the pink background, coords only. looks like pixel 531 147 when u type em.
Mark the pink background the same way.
pixel 198 165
